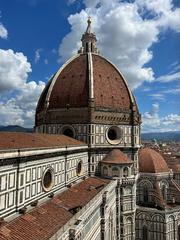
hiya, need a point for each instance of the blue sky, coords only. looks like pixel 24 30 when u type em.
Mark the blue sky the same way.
pixel 37 36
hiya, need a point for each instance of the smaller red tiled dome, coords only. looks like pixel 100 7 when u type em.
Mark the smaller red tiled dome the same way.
pixel 116 157
pixel 151 161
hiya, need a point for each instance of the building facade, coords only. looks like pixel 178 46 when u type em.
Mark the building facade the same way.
pixel 81 175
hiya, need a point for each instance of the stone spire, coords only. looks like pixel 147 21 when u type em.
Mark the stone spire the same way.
pixel 88 40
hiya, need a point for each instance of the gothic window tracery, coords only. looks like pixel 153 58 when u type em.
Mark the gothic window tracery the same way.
pixel 157 227
pixel 129 228
pixel 171 228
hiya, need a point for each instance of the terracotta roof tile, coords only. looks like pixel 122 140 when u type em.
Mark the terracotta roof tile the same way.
pixel 117 157
pixel 71 86
pixel 17 140
pixel 45 220
pixel 150 161
pixel 110 90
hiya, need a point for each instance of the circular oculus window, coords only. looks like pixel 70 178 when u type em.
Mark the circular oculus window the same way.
pixel 79 168
pixel 48 180
pixel 114 135
pixel 68 131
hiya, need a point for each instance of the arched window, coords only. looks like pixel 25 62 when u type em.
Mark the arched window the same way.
pixel 125 172
pixel 105 171
pixel 171 227
pixel 145 233
pixel 127 191
pixel 164 192
pixel 129 228
pixel 145 194
pixel 115 172
pixel 157 227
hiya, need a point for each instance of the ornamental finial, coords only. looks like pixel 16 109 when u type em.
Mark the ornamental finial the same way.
pixel 88 40
pixel 88 30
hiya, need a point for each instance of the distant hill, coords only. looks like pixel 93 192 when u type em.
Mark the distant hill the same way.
pixel 14 128
pixel 162 136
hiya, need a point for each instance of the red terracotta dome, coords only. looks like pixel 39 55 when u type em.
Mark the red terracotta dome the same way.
pixel 151 161
pixel 71 85
pixel 116 157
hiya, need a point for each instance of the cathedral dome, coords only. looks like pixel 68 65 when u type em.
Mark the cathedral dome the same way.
pixel 86 81
pixel 116 157
pixel 151 161
pixel 71 85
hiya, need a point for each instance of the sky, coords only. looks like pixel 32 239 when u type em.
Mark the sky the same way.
pixel 141 37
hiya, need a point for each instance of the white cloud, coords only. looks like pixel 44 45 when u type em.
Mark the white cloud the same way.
pixel 171 91
pixel 14 69
pixel 153 112
pixel 158 96
pixel 164 11
pixel 124 35
pixel 152 122
pixel 37 55
pixel 3 32
pixel 146 89
pixel 169 77
pixel 20 108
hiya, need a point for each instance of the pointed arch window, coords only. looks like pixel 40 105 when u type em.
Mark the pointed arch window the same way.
pixel 145 233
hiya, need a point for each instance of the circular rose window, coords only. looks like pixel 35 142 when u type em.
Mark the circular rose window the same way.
pixel 114 135
pixel 48 180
